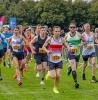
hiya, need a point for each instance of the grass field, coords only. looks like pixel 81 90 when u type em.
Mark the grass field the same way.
pixel 32 90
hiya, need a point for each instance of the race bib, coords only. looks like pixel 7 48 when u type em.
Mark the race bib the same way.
pixel 90 47
pixel 74 49
pixel 41 50
pixel 16 47
pixel 56 57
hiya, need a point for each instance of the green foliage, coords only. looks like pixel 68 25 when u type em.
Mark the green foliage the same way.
pixel 50 12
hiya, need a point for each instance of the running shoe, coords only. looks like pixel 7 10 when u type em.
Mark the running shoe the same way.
pixel 55 90
pixel 76 85
pixel 47 76
pixel 0 78
pixel 4 64
pixel 83 77
pixel 19 82
pixel 94 80
pixel 25 68
pixel 15 76
pixel 42 83
pixel 9 65
pixel 37 74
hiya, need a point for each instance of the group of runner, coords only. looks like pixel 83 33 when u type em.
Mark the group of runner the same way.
pixel 47 51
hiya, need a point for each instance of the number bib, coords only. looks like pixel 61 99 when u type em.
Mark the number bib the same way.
pixel 90 47
pixel 16 47
pixel 74 49
pixel 56 57
pixel 41 50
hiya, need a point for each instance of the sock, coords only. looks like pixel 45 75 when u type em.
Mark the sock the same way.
pixel 42 79
pixel 8 63
pixel 74 76
pixel 18 78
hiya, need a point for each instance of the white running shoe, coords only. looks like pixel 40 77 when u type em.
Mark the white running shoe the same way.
pixel 42 83
pixel 37 74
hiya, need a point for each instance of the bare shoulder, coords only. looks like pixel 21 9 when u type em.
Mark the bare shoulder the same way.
pixel 48 40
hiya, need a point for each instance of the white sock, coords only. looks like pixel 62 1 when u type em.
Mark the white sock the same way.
pixel 18 78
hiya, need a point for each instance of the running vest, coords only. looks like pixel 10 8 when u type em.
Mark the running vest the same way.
pixel 1 41
pixel 28 47
pixel 39 45
pixel 88 48
pixel 73 42
pixel 17 44
pixel 56 48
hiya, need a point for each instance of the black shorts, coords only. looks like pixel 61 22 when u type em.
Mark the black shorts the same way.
pixel 53 66
pixel 85 57
pixel 10 47
pixel 41 58
pixel 76 57
pixel 25 53
pixel 1 53
pixel 18 55
pixel 5 49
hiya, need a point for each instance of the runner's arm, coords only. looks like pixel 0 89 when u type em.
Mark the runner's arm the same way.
pixel 47 42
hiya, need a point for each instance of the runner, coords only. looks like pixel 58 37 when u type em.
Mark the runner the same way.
pixel 73 39
pixel 37 32
pixel 55 44
pixel 27 50
pixel 16 43
pixel 40 56
pixel 89 52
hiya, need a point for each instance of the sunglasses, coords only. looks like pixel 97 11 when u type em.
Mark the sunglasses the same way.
pixel 72 27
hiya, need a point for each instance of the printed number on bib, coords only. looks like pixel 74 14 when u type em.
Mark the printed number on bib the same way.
pixel 16 47
pixel 56 57
pixel 41 50
pixel 90 47
pixel 74 50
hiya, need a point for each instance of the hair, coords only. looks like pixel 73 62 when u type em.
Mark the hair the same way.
pixel 6 27
pixel 17 27
pixel 86 24
pixel 56 27
pixel 72 24
pixel 96 30
pixel 43 27
pixel 39 25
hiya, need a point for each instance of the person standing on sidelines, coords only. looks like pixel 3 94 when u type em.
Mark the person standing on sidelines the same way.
pixel 54 52
pixel 73 39
pixel 88 51
pixel 6 34
pixel 16 42
pixel 1 52
pixel 40 55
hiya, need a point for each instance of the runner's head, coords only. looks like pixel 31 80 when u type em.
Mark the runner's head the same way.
pixel 16 30
pixel 56 31
pixel 28 31
pixel 38 27
pixel 96 30
pixel 87 27
pixel 43 30
pixel 72 27
pixel 6 29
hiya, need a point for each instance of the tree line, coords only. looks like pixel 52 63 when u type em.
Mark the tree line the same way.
pixel 51 12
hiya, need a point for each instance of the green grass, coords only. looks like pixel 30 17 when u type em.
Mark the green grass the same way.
pixel 32 90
